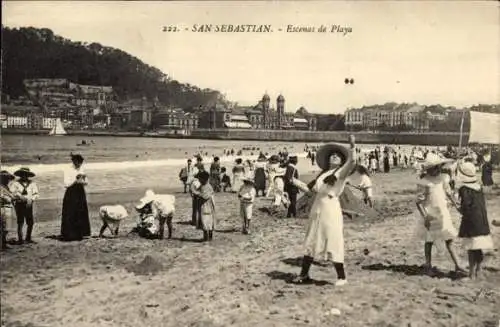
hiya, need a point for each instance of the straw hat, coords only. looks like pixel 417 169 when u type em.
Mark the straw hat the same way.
pixel 262 157
pixel 274 159
pixel 326 151
pixel 433 160
pixel 24 172
pixel 148 198
pixel 7 175
pixel 467 172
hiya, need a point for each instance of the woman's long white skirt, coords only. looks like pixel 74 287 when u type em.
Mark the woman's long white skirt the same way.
pixel 325 232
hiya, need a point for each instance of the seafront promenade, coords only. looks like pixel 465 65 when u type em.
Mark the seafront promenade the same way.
pixel 412 138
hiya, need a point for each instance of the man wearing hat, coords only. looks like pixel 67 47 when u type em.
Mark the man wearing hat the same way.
pixel 25 191
pixel 6 205
pixel 290 188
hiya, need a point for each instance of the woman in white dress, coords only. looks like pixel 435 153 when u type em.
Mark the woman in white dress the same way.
pixel 433 190
pixel 238 175
pixel 325 231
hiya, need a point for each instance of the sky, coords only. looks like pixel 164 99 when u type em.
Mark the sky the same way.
pixel 425 52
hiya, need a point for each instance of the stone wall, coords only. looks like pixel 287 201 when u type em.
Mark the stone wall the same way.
pixel 427 138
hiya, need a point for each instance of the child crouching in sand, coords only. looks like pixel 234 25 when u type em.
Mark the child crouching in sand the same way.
pixel 205 193
pixel 111 216
pixel 474 227
pixel 433 190
pixel 247 196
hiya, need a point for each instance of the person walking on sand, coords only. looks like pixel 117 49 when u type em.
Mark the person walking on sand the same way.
pixel 292 190
pixel 487 172
pixel 238 174
pixel 260 174
pixel 7 206
pixel 474 227
pixel 247 196
pixel 25 192
pixel 215 174
pixel 186 175
pixel 364 185
pixel 75 224
pixel 325 231
pixel 433 190
pixel 205 193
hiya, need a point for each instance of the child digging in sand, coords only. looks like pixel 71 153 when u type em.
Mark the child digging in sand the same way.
pixel 433 190
pixel 474 227
pixel 247 196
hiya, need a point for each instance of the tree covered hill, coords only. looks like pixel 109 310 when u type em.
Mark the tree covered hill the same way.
pixel 39 53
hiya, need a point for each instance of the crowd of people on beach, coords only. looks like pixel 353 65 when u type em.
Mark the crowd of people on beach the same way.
pixel 444 176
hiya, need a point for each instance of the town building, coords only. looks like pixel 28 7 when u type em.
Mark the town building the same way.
pixel 260 116
pixel 175 119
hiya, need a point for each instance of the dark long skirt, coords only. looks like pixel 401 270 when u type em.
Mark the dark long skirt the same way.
pixel 387 167
pixel 260 180
pixel 75 214
pixel 487 174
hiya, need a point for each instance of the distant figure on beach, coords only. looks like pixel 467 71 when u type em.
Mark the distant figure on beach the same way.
pixel 325 232
pixel 75 224
pixel 26 192
pixel 292 190
pixel 215 174
pixel 247 195
pixel 238 174
pixel 225 180
pixel 7 206
pixel 205 194
pixel 260 174
pixel 432 193
pixel 474 227
pixel 387 166
pixel 186 175
pixel 487 172
pixel 199 164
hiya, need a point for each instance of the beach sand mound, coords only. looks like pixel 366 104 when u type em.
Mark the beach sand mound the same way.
pixel 148 266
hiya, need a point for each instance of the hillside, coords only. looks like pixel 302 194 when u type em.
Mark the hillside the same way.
pixel 39 53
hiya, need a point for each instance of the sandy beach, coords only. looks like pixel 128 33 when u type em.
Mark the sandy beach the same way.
pixel 243 280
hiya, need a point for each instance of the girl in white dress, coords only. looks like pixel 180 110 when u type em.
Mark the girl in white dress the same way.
pixel 324 236
pixel 433 190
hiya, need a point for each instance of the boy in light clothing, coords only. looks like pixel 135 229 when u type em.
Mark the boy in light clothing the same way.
pixel 25 192
pixel 247 196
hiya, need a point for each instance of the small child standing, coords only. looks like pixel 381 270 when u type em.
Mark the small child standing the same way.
pixel 225 179
pixel 365 185
pixel 474 227
pixel 247 194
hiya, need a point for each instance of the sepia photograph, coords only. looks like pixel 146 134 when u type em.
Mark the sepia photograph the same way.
pixel 250 163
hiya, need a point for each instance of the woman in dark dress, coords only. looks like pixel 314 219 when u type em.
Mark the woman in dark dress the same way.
pixel 387 167
pixel 75 223
pixel 487 171
pixel 215 174
pixel 260 174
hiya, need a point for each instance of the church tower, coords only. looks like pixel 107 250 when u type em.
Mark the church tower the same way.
pixel 266 101
pixel 280 107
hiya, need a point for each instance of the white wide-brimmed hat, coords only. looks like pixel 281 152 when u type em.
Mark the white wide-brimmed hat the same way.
pixel 433 160
pixel 467 172
pixel 147 198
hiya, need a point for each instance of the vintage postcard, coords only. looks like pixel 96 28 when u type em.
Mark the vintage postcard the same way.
pixel 250 163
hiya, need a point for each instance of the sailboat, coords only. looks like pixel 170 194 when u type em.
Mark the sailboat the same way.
pixel 58 129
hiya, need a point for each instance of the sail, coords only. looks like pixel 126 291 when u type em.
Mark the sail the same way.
pixel 484 128
pixel 58 129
